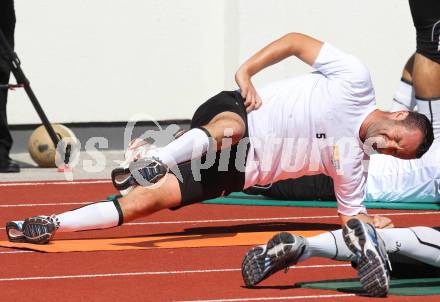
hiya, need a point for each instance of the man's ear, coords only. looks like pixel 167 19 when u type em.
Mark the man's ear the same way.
pixel 399 115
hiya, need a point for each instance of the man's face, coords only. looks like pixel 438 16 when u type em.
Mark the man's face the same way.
pixel 399 141
pixel 393 138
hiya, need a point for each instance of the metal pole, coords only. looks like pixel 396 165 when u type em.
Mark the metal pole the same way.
pixel 12 59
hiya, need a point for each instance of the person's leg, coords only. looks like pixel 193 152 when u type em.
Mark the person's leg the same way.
pixel 419 243
pixel 329 245
pixel 218 124
pixel 413 252
pixel 404 95
pixel 170 191
pixel 426 76
pixel 426 79
pixel 207 131
pixel 426 71
pixel 100 215
pixel 285 249
pixel 408 69
pixel 7 25
pixel 138 203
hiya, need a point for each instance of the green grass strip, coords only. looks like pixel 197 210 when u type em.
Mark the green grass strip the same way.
pixel 399 287
pixel 257 200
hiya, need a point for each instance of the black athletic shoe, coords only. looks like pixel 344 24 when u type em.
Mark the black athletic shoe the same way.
pixel 142 172
pixel 14 230
pixel 373 265
pixel 9 166
pixel 39 229
pixel 281 251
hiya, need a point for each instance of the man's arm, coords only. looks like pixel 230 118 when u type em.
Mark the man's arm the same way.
pixel 302 46
pixel 350 193
pixel 380 222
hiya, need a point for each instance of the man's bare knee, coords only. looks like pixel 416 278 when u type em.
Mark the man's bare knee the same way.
pixel 226 125
pixel 138 203
pixel 143 201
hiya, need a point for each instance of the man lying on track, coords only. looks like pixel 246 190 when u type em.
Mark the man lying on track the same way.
pixel 389 179
pixel 417 247
pixel 319 120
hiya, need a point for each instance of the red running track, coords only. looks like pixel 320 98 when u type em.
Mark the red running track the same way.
pixel 181 274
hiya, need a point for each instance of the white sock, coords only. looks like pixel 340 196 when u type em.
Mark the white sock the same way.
pixel 419 243
pixel 404 98
pixel 329 245
pixel 431 109
pixel 100 215
pixel 192 144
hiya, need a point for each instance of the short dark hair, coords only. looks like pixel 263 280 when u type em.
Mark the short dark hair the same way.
pixel 416 120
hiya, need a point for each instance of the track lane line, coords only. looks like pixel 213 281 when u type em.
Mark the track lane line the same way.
pixel 256 219
pixel 39 183
pixel 20 205
pixel 16 252
pixel 132 274
pixel 273 298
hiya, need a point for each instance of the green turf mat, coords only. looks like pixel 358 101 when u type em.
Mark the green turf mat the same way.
pixel 258 200
pixel 399 287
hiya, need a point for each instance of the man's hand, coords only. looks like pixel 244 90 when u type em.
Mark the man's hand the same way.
pixel 293 44
pixel 382 222
pixel 379 222
pixel 248 92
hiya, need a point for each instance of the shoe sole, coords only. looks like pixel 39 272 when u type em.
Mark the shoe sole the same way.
pixel 372 268
pixel 10 227
pixel 124 178
pixel 278 250
pixel 38 222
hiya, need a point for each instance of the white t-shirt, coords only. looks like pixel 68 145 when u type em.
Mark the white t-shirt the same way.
pixel 416 180
pixel 310 125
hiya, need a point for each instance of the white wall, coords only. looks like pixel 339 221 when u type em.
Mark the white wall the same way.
pixel 105 60
pixel 380 33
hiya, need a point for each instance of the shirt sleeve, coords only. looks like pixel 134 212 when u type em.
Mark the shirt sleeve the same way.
pixel 337 65
pixel 350 188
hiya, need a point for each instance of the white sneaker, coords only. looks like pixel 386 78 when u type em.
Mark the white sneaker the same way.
pixel 373 266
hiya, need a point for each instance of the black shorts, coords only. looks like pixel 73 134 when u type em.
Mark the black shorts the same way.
pixel 426 18
pixel 316 187
pixel 222 177
pixel 408 268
